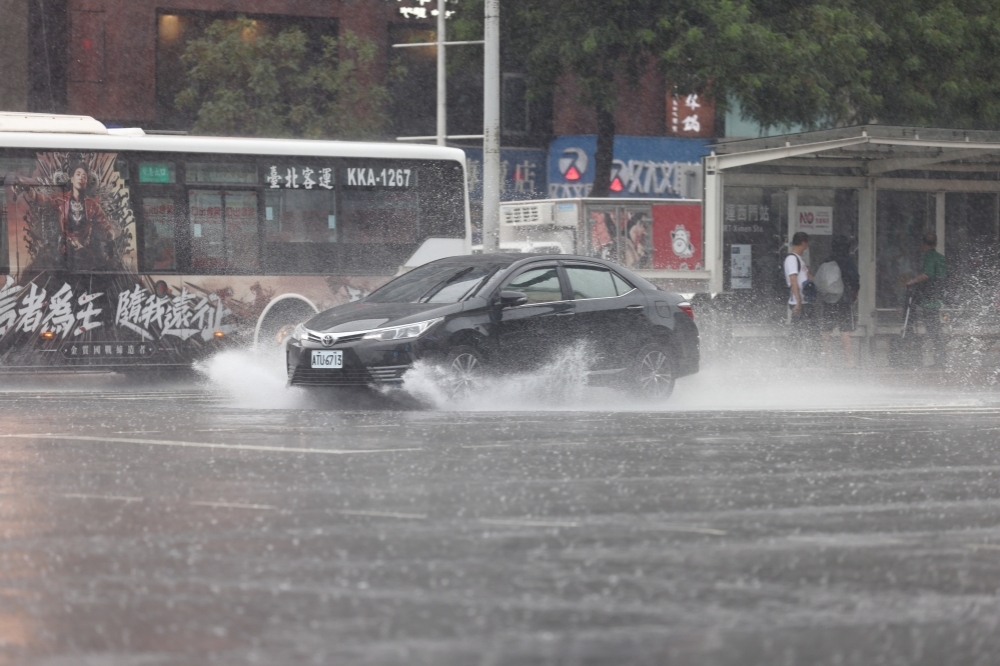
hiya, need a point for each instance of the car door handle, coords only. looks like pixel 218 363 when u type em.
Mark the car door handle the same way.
pixel 635 307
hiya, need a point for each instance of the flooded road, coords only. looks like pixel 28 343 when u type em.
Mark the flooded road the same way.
pixel 154 524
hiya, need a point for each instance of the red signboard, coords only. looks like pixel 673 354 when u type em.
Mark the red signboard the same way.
pixel 691 116
pixel 677 240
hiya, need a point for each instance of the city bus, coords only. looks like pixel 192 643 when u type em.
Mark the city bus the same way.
pixel 121 249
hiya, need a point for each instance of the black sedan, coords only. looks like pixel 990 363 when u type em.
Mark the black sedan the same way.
pixel 502 313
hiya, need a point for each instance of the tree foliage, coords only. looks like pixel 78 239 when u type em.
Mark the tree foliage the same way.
pixel 817 63
pixel 244 83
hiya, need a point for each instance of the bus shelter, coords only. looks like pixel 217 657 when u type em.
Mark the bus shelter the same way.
pixel 882 187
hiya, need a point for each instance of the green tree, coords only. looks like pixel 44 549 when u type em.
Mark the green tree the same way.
pixel 817 63
pixel 599 42
pixel 244 83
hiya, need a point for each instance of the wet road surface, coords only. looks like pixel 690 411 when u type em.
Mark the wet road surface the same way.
pixel 152 526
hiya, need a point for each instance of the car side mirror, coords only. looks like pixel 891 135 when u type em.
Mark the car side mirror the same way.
pixel 509 299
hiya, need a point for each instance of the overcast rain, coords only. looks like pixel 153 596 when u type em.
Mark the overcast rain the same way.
pixel 500 333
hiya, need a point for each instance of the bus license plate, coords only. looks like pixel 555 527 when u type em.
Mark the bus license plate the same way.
pixel 328 359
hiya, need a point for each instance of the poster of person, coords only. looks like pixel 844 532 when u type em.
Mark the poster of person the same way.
pixel 604 235
pixel 637 246
pixel 72 214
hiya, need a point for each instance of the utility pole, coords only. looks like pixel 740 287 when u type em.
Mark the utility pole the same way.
pixel 491 129
pixel 442 79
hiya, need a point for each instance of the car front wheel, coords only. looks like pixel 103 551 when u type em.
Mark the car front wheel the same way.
pixel 465 369
pixel 653 373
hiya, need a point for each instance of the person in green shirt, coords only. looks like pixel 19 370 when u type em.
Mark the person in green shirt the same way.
pixel 930 283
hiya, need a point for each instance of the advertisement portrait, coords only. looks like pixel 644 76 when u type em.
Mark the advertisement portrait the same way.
pixel 72 214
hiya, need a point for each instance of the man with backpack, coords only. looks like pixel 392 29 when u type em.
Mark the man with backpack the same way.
pixel 930 294
pixel 801 290
pixel 837 282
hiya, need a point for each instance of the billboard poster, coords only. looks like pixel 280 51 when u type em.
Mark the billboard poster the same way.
pixel 816 220
pixel 741 267
pixel 677 237
pixel 643 166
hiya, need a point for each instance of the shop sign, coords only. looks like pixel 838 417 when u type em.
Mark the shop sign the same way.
pixel 691 116
pixel 816 220
pixel 643 166
pixel 522 169
pixel 423 9
pixel 745 218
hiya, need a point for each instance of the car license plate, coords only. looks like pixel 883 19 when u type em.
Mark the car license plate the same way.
pixel 328 359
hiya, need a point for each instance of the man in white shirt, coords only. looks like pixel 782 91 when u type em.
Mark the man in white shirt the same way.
pixel 796 274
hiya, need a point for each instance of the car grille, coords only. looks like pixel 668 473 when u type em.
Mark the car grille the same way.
pixel 340 339
pixel 347 376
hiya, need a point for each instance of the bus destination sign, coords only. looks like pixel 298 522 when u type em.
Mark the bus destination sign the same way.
pixel 379 177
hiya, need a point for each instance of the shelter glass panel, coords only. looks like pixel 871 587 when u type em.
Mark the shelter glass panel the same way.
pixel 901 219
pixel 971 248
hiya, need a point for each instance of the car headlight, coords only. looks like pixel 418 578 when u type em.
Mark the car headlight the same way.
pixel 402 332
pixel 300 333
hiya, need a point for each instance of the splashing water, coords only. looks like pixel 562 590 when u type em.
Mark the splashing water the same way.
pixel 257 380
pixel 252 379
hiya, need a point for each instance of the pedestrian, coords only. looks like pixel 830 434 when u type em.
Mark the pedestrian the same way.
pixel 930 294
pixel 840 314
pixel 799 279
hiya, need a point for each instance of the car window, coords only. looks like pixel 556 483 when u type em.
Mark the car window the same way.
pixel 621 285
pixel 540 285
pixel 591 282
pixel 433 283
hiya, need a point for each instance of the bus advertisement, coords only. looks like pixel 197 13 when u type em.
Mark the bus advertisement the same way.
pixel 120 249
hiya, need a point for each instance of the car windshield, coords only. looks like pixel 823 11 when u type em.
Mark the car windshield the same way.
pixel 434 283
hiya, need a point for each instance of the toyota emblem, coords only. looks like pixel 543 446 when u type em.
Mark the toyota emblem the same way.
pixel 328 340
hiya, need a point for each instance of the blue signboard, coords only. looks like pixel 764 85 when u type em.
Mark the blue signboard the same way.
pixel 523 172
pixel 644 166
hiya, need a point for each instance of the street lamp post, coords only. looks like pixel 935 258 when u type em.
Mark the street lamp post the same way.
pixel 491 129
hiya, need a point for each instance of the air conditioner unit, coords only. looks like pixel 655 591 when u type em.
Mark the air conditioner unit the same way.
pixel 526 215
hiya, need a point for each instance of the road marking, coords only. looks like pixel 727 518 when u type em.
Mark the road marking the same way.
pixel 382 514
pixel 206 445
pixel 235 505
pixel 516 522
pixel 983 546
pixel 692 530
pixel 113 498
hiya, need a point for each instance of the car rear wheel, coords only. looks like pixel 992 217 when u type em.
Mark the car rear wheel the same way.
pixel 465 369
pixel 653 373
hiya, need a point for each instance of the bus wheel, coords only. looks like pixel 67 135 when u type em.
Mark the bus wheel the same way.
pixel 281 320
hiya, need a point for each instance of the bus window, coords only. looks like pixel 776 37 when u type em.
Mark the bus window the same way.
pixel 241 232
pixel 381 216
pixel 159 239
pixel 220 173
pixel 223 231
pixel 300 216
pixel 208 250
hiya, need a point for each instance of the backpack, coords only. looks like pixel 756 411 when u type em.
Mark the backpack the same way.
pixel 829 282
pixel 807 289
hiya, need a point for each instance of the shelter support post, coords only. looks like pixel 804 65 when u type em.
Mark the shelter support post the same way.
pixel 866 262
pixel 939 199
pixel 712 211
pixel 793 214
